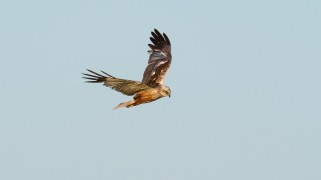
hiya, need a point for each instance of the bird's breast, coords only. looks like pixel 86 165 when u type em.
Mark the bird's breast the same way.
pixel 147 95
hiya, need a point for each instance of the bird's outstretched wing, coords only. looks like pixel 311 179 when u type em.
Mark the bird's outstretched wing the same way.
pixel 127 87
pixel 159 60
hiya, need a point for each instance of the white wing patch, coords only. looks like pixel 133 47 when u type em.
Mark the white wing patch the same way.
pixel 156 65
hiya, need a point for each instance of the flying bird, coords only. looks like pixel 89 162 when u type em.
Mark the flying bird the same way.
pixel 152 86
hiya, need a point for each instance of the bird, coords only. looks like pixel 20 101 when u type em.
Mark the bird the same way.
pixel 152 86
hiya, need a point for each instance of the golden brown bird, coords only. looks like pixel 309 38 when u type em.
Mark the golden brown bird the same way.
pixel 152 86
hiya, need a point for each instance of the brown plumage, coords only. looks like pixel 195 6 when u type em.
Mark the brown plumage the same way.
pixel 152 86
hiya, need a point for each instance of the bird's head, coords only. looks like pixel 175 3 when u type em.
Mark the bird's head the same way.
pixel 168 91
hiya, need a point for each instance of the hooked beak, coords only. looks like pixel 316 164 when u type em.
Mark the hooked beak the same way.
pixel 169 95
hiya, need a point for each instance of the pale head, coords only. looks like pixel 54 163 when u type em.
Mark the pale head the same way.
pixel 167 91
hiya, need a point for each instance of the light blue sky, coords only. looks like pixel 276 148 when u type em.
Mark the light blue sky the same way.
pixel 245 81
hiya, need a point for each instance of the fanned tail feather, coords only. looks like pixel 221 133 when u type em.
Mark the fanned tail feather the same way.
pixel 124 104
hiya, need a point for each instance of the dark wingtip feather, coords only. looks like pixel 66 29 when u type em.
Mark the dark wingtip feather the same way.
pixel 159 36
pixel 154 35
pixel 159 40
pixel 151 46
pixel 156 31
pixel 95 77
pixel 89 75
pixel 156 43
pixel 95 73
pixel 91 82
pixel 167 39
pixel 107 74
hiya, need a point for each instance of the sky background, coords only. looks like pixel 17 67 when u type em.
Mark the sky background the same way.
pixel 245 81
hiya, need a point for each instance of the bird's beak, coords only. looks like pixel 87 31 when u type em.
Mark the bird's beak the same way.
pixel 169 95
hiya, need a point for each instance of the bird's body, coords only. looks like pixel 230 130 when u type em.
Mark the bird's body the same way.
pixel 151 88
pixel 144 96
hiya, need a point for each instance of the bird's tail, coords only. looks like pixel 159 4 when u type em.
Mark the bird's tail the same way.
pixel 125 104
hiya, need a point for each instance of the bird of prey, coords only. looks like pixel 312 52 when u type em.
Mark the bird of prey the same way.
pixel 152 85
